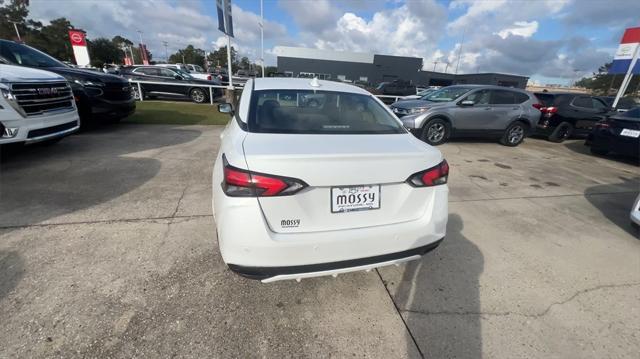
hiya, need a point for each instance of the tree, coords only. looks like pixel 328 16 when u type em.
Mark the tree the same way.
pixel 104 51
pixel 188 55
pixel 219 58
pixel 244 63
pixel 602 83
pixel 13 10
pixel 54 39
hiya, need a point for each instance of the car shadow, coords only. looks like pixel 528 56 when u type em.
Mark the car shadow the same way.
pixel 11 271
pixel 41 182
pixel 440 300
pixel 616 208
pixel 579 147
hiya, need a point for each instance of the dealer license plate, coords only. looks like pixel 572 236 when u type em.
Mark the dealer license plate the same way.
pixel 355 198
pixel 630 133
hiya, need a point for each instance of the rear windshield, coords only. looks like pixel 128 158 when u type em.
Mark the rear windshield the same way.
pixel 319 112
pixel 546 99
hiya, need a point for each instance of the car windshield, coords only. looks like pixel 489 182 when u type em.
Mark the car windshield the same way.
pixel 319 112
pixel 447 94
pixel 23 55
pixel 381 85
pixel 184 74
pixel 424 94
pixel 197 68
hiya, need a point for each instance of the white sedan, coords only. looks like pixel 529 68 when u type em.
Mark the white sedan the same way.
pixel 304 191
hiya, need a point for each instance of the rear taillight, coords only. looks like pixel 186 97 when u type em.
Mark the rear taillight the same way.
pixel 209 77
pixel 238 182
pixel 603 124
pixel 538 106
pixel 550 109
pixel 432 177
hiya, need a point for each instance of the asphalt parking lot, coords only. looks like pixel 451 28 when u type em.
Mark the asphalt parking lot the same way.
pixel 108 249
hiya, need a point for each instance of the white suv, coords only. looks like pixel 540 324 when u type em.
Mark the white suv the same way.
pixel 304 190
pixel 35 106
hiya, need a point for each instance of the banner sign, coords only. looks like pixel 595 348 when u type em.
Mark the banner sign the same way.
pixel 628 46
pixel 143 54
pixel 225 20
pixel 79 45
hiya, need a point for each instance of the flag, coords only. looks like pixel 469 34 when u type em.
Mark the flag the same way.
pixel 628 45
pixel 225 20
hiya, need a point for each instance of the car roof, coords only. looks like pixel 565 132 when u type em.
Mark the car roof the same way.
pixel 285 83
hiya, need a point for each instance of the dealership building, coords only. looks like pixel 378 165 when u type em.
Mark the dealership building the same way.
pixel 373 69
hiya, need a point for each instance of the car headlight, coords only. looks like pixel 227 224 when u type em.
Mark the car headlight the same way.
pixel 11 99
pixel 418 109
pixel 89 83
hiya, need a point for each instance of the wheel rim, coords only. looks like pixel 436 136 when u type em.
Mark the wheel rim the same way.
pixel 197 96
pixel 516 134
pixel 435 132
pixel 564 132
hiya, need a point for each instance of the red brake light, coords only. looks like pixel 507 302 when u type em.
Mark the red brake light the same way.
pixel 432 177
pixel 602 125
pixel 238 182
pixel 209 77
pixel 539 106
pixel 550 109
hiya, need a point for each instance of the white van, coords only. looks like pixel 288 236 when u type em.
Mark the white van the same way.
pixel 35 106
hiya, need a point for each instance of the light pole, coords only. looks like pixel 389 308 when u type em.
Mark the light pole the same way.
pixel 446 67
pixel 166 53
pixel 140 33
pixel 15 26
pixel 460 50
pixel 434 65
pixel 262 37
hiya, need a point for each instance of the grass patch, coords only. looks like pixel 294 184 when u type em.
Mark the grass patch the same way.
pixel 177 113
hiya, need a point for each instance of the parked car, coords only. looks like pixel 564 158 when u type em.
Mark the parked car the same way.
pixel 35 106
pixel 635 212
pixel 396 88
pixel 174 83
pixel 187 69
pixel 624 104
pixel 619 133
pixel 569 114
pixel 471 111
pixel 297 190
pixel 98 96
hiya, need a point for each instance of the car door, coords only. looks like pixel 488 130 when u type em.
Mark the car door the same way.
pixel 471 117
pixel 583 114
pixel 504 108
pixel 171 77
pixel 147 74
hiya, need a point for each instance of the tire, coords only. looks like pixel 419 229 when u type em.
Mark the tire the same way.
pixel 436 131
pixel 562 132
pixel 136 95
pixel 198 95
pixel 514 134
pixel 598 151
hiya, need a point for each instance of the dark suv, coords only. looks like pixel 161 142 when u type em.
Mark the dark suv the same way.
pixel 98 96
pixel 169 82
pixel 569 114
pixel 396 88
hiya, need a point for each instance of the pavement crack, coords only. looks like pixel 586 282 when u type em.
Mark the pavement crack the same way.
pixel 107 221
pixel 526 315
pixel 175 211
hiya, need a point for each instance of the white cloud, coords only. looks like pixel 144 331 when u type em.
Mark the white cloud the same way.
pixel 520 28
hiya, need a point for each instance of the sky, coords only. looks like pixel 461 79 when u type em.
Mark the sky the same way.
pixel 552 41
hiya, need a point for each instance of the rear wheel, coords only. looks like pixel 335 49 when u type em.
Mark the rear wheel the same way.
pixel 436 132
pixel 198 95
pixel 561 133
pixel 514 134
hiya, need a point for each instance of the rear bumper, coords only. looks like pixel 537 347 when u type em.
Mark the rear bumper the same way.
pixel 604 139
pixel 272 274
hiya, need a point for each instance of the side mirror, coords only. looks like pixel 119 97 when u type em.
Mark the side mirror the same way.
pixel 467 103
pixel 225 108
pixel 178 77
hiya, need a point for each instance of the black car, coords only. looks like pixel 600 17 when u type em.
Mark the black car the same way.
pixel 624 104
pixel 98 96
pixel 396 88
pixel 568 114
pixel 171 83
pixel 619 134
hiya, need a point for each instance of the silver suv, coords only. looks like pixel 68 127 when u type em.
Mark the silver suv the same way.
pixel 471 110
